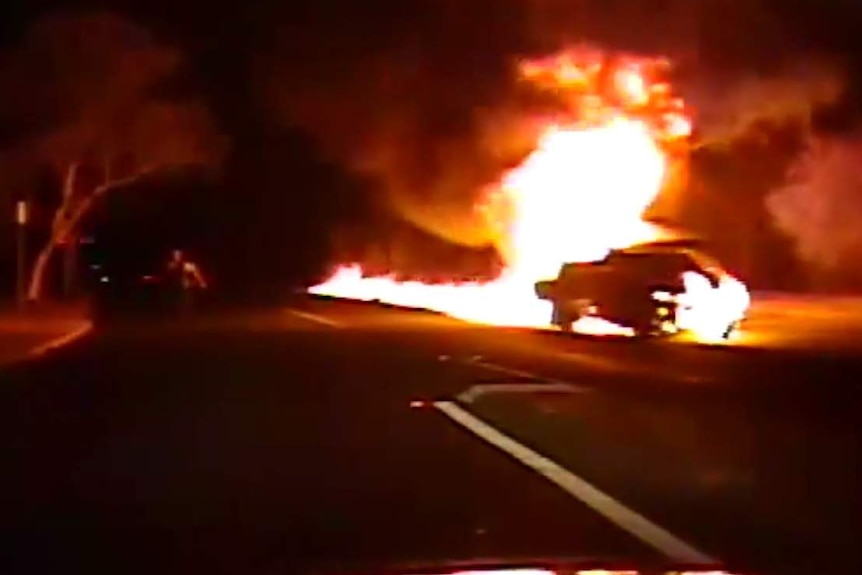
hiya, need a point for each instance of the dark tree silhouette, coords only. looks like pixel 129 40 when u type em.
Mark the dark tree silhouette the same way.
pixel 89 95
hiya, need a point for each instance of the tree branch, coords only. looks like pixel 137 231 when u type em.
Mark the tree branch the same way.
pixel 109 185
pixel 68 187
pixel 70 179
pixel 84 205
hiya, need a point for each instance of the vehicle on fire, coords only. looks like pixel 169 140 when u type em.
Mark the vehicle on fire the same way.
pixel 642 288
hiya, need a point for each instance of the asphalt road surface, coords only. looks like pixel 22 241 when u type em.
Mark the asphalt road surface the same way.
pixel 326 435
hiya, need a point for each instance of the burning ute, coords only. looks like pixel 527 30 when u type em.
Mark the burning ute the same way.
pixel 650 289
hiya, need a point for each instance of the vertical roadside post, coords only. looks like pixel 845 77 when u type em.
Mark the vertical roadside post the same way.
pixel 21 216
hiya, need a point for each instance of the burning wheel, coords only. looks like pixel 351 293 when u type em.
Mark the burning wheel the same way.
pixel 564 315
pixel 563 318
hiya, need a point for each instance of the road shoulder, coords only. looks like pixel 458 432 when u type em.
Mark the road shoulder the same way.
pixel 28 335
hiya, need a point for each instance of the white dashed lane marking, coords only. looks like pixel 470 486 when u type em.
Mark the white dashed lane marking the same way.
pixel 316 318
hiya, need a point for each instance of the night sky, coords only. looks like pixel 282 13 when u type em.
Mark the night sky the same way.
pixel 296 87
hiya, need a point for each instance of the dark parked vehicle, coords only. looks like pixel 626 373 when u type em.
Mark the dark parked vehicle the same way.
pixel 151 289
pixel 119 291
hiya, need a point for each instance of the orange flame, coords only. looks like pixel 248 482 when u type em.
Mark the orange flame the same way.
pixel 582 191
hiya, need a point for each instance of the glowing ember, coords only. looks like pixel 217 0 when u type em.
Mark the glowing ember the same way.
pixel 581 192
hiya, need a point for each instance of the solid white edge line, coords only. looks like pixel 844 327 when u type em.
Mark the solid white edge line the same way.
pixel 313 317
pixel 65 339
pixel 626 519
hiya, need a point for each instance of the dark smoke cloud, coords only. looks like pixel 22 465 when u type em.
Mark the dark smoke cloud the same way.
pixel 736 63
pixel 418 109
pixel 728 109
pixel 820 204
pixel 423 97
